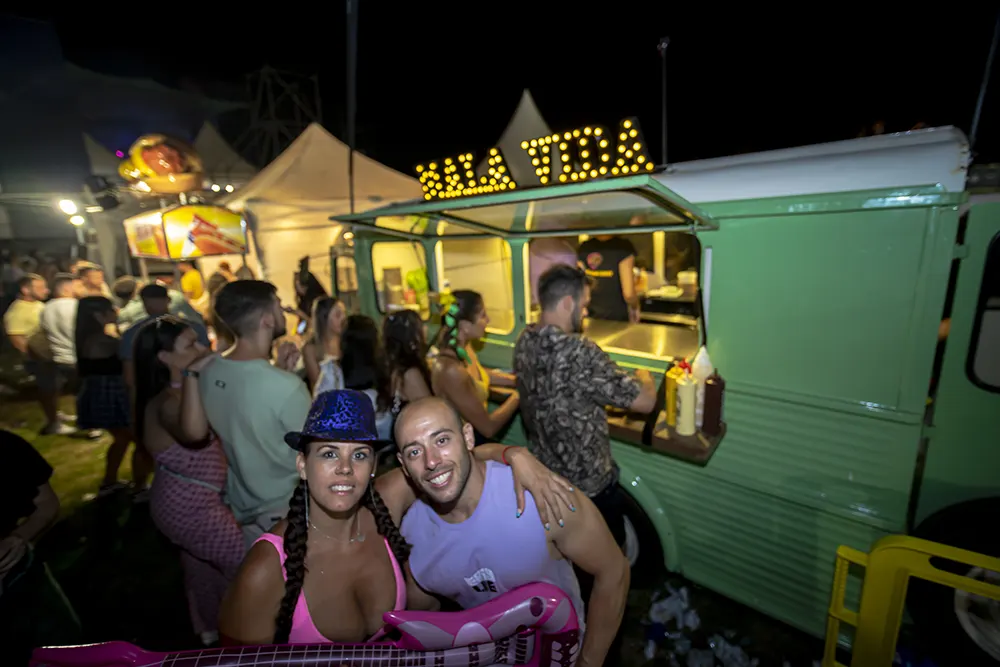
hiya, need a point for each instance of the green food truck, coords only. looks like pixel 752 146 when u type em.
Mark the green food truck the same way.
pixel 849 294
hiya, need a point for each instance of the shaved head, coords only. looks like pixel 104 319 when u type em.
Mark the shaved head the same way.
pixel 435 450
pixel 422 408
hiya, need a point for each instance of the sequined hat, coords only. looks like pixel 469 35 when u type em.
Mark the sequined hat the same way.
pixel 341 415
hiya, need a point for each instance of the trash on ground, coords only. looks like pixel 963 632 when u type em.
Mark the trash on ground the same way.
pixel 672 633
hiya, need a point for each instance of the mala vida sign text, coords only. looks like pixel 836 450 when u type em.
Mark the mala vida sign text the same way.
pixel 572 156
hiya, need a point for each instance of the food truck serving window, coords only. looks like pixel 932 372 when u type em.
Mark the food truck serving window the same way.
pixel 400 271
pixel 666 271
pixel 482 265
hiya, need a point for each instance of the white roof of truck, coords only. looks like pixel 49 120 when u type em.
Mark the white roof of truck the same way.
pixel 935 156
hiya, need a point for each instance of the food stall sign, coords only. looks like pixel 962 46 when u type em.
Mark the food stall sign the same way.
pixel 569 157
pixel 455 177
pixel 186 232
pixel 157 165
pixel 587 153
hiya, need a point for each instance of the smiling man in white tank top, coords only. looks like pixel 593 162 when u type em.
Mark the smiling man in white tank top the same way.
pixel 470 544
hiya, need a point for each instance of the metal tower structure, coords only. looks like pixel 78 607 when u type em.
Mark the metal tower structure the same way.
pixel 283 104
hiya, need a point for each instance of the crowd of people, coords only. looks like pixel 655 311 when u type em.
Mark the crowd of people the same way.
pixel 266 449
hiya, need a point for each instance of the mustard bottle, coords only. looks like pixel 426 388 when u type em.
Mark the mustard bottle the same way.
pixel 686 402
pixel 673 375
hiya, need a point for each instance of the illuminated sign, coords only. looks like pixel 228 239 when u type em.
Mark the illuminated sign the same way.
pixel 589 152
pixel 563 157
pixel 455 177
pixel 183 232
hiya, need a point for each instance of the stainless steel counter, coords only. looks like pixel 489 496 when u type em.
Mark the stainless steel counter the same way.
pixel 662 341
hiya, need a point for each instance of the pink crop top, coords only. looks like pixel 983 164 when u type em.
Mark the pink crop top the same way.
pixel 304 631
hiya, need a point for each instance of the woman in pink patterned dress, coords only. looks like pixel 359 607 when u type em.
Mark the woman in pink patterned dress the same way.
pixel 186 499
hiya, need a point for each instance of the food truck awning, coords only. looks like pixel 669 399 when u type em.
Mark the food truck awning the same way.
pixel 638 203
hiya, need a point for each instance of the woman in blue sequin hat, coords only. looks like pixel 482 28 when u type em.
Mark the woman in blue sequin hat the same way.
pixel 322 575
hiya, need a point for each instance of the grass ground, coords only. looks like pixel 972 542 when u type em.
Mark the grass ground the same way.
pixel 124 578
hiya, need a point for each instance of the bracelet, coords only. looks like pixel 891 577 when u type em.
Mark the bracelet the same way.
pixel 188 373
pixel 503 454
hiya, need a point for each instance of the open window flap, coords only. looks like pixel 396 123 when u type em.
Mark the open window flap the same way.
pixel 631 204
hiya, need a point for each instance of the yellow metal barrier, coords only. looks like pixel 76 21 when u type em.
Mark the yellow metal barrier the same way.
pixel 888 568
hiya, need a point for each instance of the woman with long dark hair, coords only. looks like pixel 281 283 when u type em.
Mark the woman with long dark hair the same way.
pixel 456 374
pixel 323 347
pixel 102 401
pixel 186 500
pixel 405 342
pixel 317 577
pixel 308 289
pixel 331 511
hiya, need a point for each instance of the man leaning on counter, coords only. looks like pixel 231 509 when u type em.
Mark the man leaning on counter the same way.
pixel 565 382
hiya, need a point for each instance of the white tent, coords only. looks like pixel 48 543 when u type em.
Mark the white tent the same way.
pixel 526 123
pixel 102 161
pixel 221 163
pixel 289 203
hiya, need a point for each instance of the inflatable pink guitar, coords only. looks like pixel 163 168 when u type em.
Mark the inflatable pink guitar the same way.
pixel 533 625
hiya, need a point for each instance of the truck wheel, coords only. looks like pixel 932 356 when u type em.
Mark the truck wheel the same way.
pixel 965 628
pixel 642 544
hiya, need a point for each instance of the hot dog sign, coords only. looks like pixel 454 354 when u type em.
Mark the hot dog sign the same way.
pixel 186 232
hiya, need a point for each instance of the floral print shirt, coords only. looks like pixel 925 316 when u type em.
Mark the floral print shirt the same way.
pixel 565 382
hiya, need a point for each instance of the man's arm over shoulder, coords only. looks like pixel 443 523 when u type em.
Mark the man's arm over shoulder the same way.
pixel 585 540
pixel 396 492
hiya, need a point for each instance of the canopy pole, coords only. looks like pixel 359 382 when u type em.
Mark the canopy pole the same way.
pixel 352 85
pixel 662 48
pixel 985 84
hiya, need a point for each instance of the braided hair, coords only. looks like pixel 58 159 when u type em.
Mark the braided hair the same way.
pixel 297 535
pixel 466 306
pixel 386 527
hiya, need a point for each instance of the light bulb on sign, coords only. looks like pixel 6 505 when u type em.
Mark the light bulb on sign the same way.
pixel 631 148
pixel 68 206
pixel 77 220
pixel 229 188
pixel 216 187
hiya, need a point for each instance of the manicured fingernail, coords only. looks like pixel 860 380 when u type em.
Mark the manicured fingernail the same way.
pixel 571 489
pixel 518 514
pixel 561 524
pixel 572 508
pixel 547 526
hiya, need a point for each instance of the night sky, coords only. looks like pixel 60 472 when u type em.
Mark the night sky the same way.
pixel 439 80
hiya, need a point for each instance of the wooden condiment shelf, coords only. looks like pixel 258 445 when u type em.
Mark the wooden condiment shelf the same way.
pixel 697 449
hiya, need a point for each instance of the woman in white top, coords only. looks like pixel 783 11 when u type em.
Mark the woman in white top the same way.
pixel 323 349
pixel 362 367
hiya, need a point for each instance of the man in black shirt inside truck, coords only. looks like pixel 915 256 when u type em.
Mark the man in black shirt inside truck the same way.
pixel 609 262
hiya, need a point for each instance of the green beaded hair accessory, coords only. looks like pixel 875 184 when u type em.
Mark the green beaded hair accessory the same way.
pixel 451 321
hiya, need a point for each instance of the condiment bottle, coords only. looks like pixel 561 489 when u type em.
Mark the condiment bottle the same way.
pixel 671 397
pixel 686 404
pixel 715 390
pixel 701 368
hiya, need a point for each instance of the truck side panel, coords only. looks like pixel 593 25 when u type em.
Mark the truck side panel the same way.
pixel 963 453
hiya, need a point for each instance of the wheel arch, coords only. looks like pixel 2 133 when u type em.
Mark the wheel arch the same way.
pixel 658 515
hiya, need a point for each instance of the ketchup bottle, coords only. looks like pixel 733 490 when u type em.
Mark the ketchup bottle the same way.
pixel 715 390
